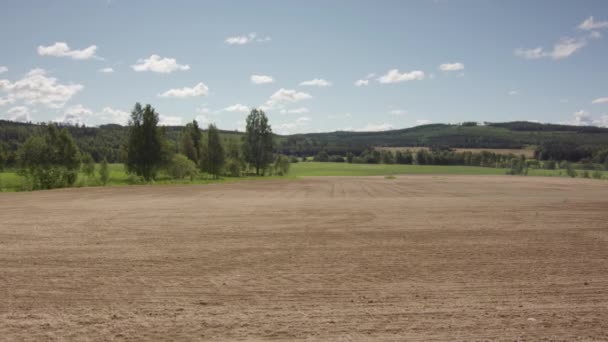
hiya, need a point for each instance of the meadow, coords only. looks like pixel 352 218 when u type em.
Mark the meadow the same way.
pixel 10 181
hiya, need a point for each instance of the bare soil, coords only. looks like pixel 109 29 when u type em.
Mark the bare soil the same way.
pixel 417 258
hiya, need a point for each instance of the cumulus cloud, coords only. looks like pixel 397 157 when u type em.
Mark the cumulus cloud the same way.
pixel 300 110
pixel 283 96
pixel 38 88
pixel 165 120
pixel 600 100
pixel 564 48
pixel 237 108
pixel 293 127
pixel 106 70
pixel 61 49
pixel 371 127
pixel 75 115
pixel 361 83
pixel 261 79
pixel 583 118
pixel 157 64
pixel 394 76
pixel 246 39
pixel 3 69
pixel 116 116
pixel 317 82
pixel 19 114
pixel 198 90
pixel 590 24
pixel 451 67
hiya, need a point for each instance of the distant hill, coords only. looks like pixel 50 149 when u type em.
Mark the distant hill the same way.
pixel 107 140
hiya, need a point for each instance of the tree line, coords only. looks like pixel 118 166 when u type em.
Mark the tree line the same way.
pixel 51 159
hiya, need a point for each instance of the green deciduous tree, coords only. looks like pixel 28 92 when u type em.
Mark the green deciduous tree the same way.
pixel 191 142
pixel 88 165
pixel 182 167
pixel 257 144
pixel 215 151
pixel 104 172
pixel 281 165
pixel 50 161
pixel 146 151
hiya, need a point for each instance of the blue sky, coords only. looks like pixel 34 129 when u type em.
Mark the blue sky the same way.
pixel 312 66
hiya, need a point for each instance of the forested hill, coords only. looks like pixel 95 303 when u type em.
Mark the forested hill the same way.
pixel 107 140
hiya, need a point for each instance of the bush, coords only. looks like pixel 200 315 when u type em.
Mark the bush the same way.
pixel 104 172
pixel 322 156
pixel 336 159
pixel 233 167
pixel 597 174
pixel 182 167
pixel 50 161
pixel 549 165
pixel 281 165
pixel 570 171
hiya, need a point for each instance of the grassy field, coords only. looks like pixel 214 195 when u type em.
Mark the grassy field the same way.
pixel 528 152
pixel 10 181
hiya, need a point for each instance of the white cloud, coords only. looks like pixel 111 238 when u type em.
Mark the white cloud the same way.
pixel 157 64
pixel 300 110
pixel 3 69
pixel 203 120
pixel 595 35
pixel 535 53
pixel 246 39
pixel 394 76
pixel 375 127
pixel 198 90
pixel 317 82
pixel 600 100
pixel 397 112
pixel 75 115
pixel 282 96
pixel 110 115
pixel 203 110
pixel 590 24
pixel 261 79
pixel 451 67
pixel 360 83
pixel 106 70
pixel 38 88
pixel 564 48
pixel 513 92
pixel 237 108
pixel 582 118
pixel 164 120
pixel 422 122
pixel 293 127
pixel 61 49
pixel 19 114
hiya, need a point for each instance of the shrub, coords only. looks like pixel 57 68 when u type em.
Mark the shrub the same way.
pixel 281 165
pixel 182 167
pixel 570 171
pixel 597 174
pixel 104 172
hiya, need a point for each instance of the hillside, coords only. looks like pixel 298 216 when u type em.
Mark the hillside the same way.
pixel 107 140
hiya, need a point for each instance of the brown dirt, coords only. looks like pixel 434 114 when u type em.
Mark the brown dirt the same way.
pixel 416 258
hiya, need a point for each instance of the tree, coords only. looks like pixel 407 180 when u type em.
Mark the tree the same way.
pixel 3 157
pixel 257 144
pixel 182 167
pixel 191 142
pixel 145 143
pixel 104 172
pixel 215 151
pixel 88 165
pixel 322 156
pixel 349 157
pixel 50 161
pixel 281 165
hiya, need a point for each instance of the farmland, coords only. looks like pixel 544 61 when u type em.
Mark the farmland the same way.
pixel 527 152
pixel 417 257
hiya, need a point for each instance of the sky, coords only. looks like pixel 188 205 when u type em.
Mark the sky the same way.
pixel 313 66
